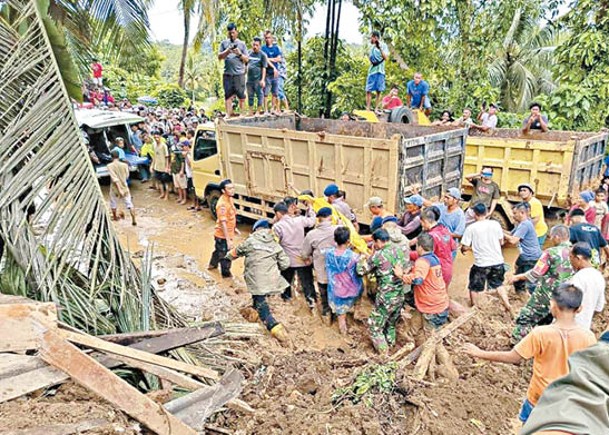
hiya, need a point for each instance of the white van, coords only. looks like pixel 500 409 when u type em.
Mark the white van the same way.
pixel 102 127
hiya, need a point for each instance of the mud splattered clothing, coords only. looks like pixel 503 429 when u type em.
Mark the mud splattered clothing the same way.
pixel 552 269
pixel 389 296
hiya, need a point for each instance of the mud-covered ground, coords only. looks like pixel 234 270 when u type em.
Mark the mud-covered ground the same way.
pixel 297 390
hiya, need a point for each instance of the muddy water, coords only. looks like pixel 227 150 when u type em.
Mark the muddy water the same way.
pixel 174 231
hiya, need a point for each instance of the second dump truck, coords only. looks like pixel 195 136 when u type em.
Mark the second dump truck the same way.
pixel 264 156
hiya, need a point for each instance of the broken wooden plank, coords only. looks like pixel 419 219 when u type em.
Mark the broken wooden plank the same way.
pixel 140 355
pixel 162 372
pixel 44 377
pixel 57 351
pixel 12 364
pixel 436 337
pixel 170 338
pixel 20 329
pixel 194 408
pixel 60 429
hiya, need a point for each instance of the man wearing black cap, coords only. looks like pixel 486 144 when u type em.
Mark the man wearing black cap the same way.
pixel 290 231
pixel 316 242
pixel 233 52
pixel 264 259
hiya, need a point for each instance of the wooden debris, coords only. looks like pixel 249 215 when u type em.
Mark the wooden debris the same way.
pixel 140 355
pixel 437 337
pixel 57 351
pixel 19 328
pixel 194 408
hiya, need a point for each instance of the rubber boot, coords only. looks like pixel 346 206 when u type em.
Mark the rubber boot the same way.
pixel 280 333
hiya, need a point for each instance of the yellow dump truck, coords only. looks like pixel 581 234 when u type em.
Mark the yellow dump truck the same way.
pixel 265 155
pixel 558 164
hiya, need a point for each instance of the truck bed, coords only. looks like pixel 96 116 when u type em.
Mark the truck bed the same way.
pixel 263 155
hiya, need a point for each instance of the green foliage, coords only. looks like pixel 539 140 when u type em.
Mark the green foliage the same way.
pixel 582 68
pixel 374 379
pixel 170 95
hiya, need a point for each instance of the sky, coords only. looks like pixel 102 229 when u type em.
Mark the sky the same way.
pixel 166 22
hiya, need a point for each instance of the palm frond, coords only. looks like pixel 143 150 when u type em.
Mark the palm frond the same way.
pixel 53 217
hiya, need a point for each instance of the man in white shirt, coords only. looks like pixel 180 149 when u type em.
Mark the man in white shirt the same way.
pixel 590 281
pixel 488 120
pixel 484 238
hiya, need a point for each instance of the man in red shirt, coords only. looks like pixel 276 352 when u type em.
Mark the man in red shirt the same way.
pixel 225 230
pixel 392 100
pixel 97 72
pixel 444 244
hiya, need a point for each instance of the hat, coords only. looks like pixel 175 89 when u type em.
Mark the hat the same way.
pixel 389 219
pixel 527 185
pixel 415 200
pixel 586 195
pixel 261 223
pixel 331 189
pixel 455 193
pixel 324 212
pixel 374 201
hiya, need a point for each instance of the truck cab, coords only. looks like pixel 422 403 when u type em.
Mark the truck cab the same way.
pixel 206 171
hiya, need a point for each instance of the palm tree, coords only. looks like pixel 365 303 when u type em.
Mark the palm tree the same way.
pixel 193 74
pixel 188 9
pixel 522 64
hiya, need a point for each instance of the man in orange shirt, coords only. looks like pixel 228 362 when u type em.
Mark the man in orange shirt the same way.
pixel 225 230
pixel 430 295
pixel 548 345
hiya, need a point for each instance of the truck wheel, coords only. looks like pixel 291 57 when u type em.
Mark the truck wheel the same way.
pixel 402 115
pixel 502 219
pixel 212 200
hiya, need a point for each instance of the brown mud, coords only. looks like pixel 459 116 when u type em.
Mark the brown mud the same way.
pixel 292 388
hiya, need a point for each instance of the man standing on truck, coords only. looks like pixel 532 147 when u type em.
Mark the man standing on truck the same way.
pixel 486 191
pixel 275 57
pixel 535 121
pixel 375 82
pixel 225 230
pixel 256 76
pixel 488 120
pixel 418 94
pixel 234 54
pixel 525 237
pixel 290 232
pixel 526 193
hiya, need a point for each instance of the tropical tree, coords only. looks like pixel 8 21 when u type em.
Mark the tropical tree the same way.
pixel 522 65
pixel 188 9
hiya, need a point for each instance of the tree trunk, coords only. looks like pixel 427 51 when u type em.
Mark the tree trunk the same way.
pixel 184 47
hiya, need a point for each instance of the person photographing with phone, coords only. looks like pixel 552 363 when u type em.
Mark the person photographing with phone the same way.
pixel 233 52
pixel 535 121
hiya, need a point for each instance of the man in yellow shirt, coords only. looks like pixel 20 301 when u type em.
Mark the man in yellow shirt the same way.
pixel 527 194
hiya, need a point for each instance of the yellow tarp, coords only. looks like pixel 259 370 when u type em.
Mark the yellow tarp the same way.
pixel 357 242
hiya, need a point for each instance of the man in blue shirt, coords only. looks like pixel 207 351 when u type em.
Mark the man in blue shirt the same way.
pixel 375 82
pixel 275 57
pixel 525 236
pixel 418 94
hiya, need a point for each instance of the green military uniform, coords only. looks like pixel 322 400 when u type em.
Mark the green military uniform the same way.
pixel 389 295
pixel 552 269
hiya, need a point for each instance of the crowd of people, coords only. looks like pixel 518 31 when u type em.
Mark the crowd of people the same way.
pixel 409 266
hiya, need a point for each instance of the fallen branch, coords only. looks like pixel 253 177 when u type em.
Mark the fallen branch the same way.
pixel 436 337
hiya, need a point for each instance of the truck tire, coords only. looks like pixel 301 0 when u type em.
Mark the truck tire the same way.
pixel 500 217
pixel 402 115
pixel 212 200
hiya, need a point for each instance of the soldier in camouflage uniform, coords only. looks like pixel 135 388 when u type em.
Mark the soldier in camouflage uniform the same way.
pixel 390 292
pixel 552 269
